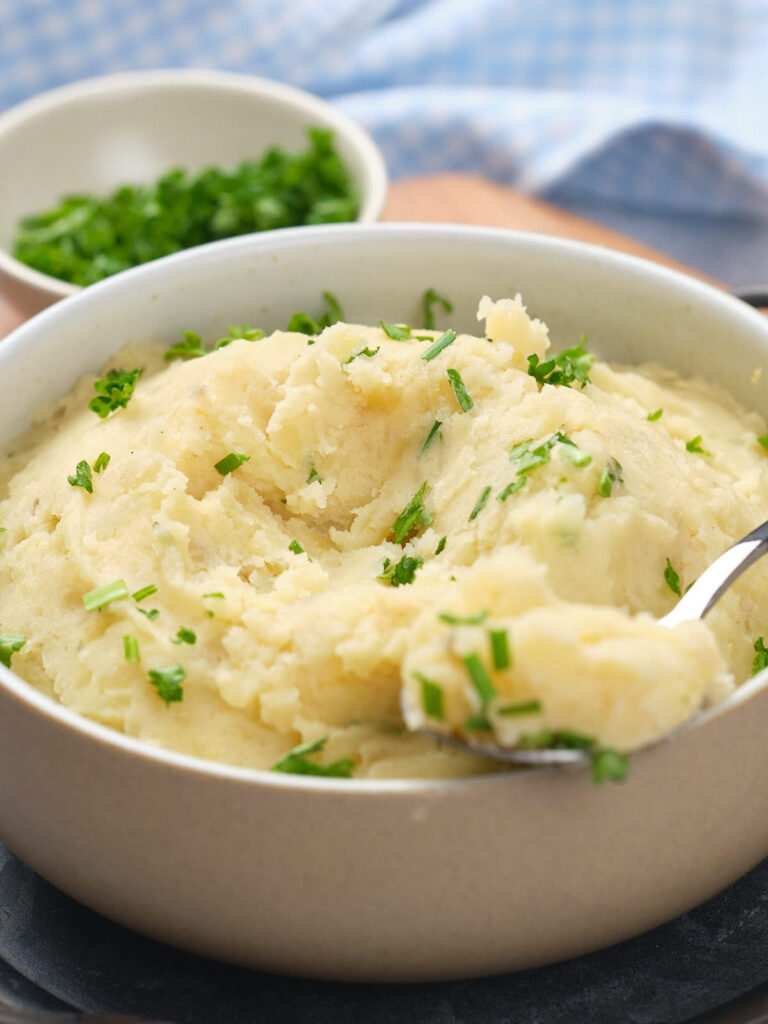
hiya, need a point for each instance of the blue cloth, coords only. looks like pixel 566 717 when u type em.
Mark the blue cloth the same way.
pixel 658 106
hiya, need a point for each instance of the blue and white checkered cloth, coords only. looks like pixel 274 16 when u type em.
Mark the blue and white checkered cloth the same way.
pixel 652 105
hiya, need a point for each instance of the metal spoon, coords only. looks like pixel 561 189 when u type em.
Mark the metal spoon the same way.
pixel 694 604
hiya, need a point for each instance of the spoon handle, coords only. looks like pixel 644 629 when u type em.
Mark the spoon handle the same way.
pixel 717 577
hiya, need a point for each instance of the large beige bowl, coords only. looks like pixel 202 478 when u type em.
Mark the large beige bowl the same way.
pixel 100 133
pixel 383 880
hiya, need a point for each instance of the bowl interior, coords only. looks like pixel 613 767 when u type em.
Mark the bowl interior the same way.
pixel 98 135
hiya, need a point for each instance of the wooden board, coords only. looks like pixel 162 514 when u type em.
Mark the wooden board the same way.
pixel 467 199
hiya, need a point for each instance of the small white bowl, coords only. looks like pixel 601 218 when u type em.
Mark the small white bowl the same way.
pixel 98 134
pixel 363 879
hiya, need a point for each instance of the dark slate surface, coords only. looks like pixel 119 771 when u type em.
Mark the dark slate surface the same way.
pixel 699 961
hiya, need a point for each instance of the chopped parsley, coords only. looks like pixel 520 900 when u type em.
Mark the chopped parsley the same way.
pixel 694 445
pixel 573 364
pixel 429 300
pixel 760 661
pixel 296 548
pixel 652 416
pixel 184 636
pixel 431 435
pixel 412 518
pixel 230 463
pixel 139 595
pixel 528 458
pixel 763 441
pixel 575 455
pixel 309 325
pixel 10 643
pixel 463 620
pixel 402 572
pixel 102 461
pixel 499 648
pixel 216 593
pixel 611 474
pixel 479 678
pixel 296 762
pixel 609 766
pixel 480 503
pixel 190 347
pixel 131 649
pixel 432 698
pixel 114 391
pixel 672 579
pixel 395 331
pixel 239 332
pixel 167 682
pixel 152 614
pixel 362 352
pixel 477 723
pixel 437 346
pixel 82 477
pixel 314 475
pixel 440 545
pixel 516 485
pixel 101 596
pixel 525 707
pixel 459 389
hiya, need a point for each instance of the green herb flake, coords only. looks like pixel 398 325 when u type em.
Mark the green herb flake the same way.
pixel 573 454
pixel 413 517
pixel 499 648
pixel 10 643
pixel 694 445
pixel 131 649
pixel 463 620
pixel 440 545
pixel 459 389
pixel 101 463
pixel 230 463
pixel 139 595
pixel 314 476
pixel 296 548
pixel 190 347
pixel 611 474
pixel 395 331
pixel 239 332
pixel 101 596
pixel 609 766
pixel 82 477
pixel 370 352
pixel 184 636
pixel 672 579
pixel 402 572
pixel 296 762
pixel 477 723
pixel 516 485
pixel 479 678
pixel 432 698
pixel 573 364
pixel 653 416
pixel 433 432
pixel 216 593
pixel 480 503
pixel 429 300
pixel 437 346
pixel 208 613
pixel 763 441
pixel 525 707
pixel 761 656
pixel 309 325
pixel 167 682
pixel 114 391
pixel 152 614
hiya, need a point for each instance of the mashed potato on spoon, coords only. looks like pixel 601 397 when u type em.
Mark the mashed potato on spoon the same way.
pixel 291 530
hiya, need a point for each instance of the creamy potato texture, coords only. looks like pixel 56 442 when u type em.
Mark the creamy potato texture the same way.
pixel 278 570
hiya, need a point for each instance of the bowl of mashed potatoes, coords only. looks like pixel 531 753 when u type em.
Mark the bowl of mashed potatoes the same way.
pixel 260 497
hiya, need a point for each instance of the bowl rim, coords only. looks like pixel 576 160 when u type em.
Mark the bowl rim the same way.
pixel 374 177
pixel 13 686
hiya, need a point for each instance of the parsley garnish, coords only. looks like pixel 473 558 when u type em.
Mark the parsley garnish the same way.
pixel 184 636
pixel 761 656
pixel 216 593
pixel 440 545
pixel 239 332
pixel 479 678
pixel 432 698
pixel 575 455
pixel 463 620
pixel 167 682
pixel 144 592
pixel 131 649
pixel 101 596
pixel 654 415
pixel 362 352
pixel 102 461
pixel 191 347
pixel 571 365
pixel 395 331
pixel 609 766
pixel 499 648
pixel 10 643
pixel 296 548
pixel 477 723
pixel 460 392
pixel 230 463
pixel 525 707
pixel 480 503
pixel 431 435
pixel 429 300
pixel 82 477
pixel 402 572
pixel 413 517
pixel 437 346
pixel 610 475
pixel 314 475
pixel 152 614
pixel 114 391
pixel 309 325
pixel 529 458
pixel 672 579
pixel 516 485
pixel 296 762
pixel 694 445
pixel 763 441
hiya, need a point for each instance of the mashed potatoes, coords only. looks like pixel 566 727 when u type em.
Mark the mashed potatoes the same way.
pixel 507 572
